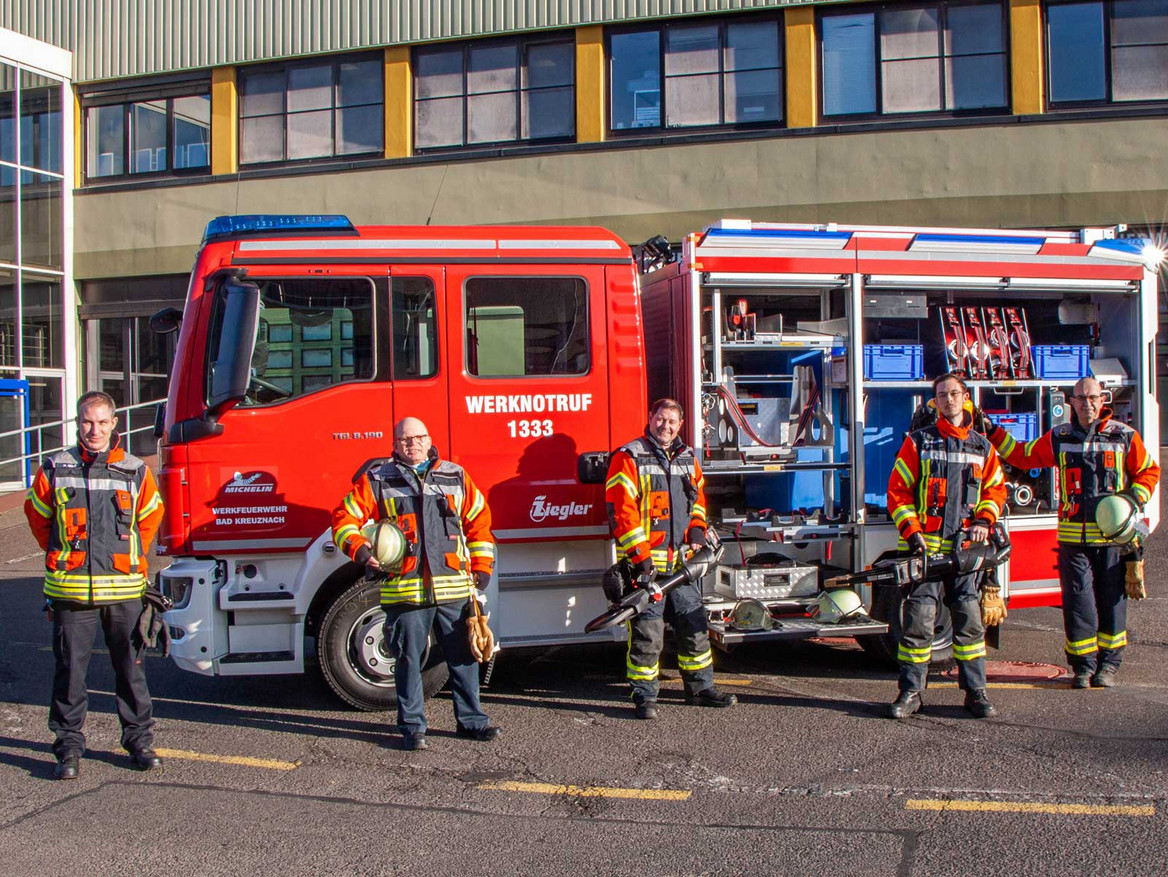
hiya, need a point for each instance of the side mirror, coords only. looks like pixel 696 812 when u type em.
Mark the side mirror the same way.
pixel 231 370
pixel 166 321
pixel 592 467
pixel 160 420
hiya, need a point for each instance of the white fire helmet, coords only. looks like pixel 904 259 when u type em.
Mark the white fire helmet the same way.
pixel 386 541
pixel 1116 516
pixel 750 615
pixel 837 604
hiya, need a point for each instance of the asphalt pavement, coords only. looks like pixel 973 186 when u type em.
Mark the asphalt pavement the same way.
pixel 803 776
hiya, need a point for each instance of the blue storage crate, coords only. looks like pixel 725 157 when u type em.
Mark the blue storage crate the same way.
pixel 1023 426
pixel 894 362
pixel 1061 361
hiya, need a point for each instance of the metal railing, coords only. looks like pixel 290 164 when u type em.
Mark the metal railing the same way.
pixel 42 439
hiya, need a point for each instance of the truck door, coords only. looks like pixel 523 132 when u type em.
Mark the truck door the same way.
pixel 528 392
pixel 419 373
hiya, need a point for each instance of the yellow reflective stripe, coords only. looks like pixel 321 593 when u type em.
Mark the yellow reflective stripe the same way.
pixel 1082 647
pixel 987 505
pixel 1112 640
pixel 900 513
pixel 622 480
pixel 1142 492
pixel 631 538
pixel 997 478
pixel 1007 446
pixel 913 656
pixel 902 469
pixel 351 507
pixel 476 507
pixel 695 662
pixel 479 549
pixel 344 532
pixel 41 509
pixel 150 507
pixel 99 589
pixel 969 652
pixel 698 511
pixel 635 672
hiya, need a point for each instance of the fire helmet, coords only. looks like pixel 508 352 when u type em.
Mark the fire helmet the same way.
pixel 386 541
pixel 750 615
pixel 1116 516
pixel 837 604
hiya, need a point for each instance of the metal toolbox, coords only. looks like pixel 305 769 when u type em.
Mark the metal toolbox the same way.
pixel 781 582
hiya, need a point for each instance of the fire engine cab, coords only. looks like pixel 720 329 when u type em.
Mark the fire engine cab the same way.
pixel 801 354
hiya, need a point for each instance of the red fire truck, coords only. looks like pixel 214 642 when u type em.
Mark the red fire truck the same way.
pixel 800 352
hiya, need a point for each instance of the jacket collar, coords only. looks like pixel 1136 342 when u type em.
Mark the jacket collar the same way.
pixel 675 447
pixel 113 454
pixel 948 430
pixel 1097 425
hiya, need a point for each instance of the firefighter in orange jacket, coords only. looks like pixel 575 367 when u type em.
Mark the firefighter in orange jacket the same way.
pixel 657 508
pixel 94 509
pixel 946 485
pixel 449 554
pixel 1096 457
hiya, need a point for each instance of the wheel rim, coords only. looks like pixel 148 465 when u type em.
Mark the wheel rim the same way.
pixel 368 649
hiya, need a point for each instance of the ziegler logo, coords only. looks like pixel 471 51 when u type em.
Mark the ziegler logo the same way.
pixel 541 510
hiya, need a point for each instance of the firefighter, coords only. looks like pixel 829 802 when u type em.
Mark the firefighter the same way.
pixel 946 486
pixel 448 560
pixel 1096 457
pixel 657 509
pixel 94 510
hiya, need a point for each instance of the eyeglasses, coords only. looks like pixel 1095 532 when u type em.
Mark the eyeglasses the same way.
pixel 1094 398
pixel 408 440
pixel 952 394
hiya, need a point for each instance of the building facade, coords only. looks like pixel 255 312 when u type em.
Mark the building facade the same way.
pixel 644 116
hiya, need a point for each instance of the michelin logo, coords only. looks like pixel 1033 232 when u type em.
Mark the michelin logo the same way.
pixel 542 510
pixel 240 484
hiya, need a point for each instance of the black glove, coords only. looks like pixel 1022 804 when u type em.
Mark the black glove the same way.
pixel 645 570
pixel 151 631
pixel 614 582
pixel 362 555
pixel 696 536
pixel 981 423
pixel 482 579
pixel 917 544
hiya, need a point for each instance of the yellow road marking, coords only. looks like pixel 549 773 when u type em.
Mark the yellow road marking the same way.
pixel 1032 807
pixel 1051 683
pixel 588 791
pixel 269 763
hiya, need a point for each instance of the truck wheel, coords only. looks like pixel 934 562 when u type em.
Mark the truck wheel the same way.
pixel 888 606
pixel 353 656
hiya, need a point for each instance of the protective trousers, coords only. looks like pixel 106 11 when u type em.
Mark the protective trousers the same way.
pixel 682 607
pixel 1094 606
pixel 960 594
pixel 407 631
pixel 74 630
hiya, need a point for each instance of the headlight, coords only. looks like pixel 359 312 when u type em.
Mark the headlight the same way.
pixel 178 588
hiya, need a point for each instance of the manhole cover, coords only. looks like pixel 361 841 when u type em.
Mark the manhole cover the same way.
pixel 1015 671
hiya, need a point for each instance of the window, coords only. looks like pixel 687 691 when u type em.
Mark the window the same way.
pixel 1101 52
pixel 312 111
pixel 296 349
pixel 155 136
pixel 415 328
pixel 714 73
pixel 494 92
pixel 937 57
pixel 526 326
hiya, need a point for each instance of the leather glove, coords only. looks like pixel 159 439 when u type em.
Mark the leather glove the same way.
pixel 981 423
pixel 917 544
pixel 645 570
pixel 482 579
pixel 479 635
pixel 151 631
pixel 993 607
pixel 1133 579
pixel 695 536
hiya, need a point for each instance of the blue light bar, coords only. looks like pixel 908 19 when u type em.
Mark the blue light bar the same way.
pixel 253 224
pixel 789 233
pixel 973 243
pixel 1120 247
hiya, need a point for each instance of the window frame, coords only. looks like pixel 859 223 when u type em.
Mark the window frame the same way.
pixel 285 68
pixel 1108 100
pixel 523 45
pixel 719 21
pixel 943 7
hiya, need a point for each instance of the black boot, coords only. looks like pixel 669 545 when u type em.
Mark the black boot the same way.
pixel 907 703
pixel 711 697
pixel 978 704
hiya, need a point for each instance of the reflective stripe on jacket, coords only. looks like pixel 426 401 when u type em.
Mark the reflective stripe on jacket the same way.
pixel 945 477
pixel 446 522
pixel 1105 458
pixel 654 497
pixel 95 519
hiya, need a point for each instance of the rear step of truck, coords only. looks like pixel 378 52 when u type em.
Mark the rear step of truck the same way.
pixel 723 635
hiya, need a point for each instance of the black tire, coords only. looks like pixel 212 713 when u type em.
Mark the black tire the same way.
pixel 353 658
pixel 888 606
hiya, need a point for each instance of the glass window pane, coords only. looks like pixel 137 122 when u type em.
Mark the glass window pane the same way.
pixel 636 80
pixel 8 113
pixel 692 100
pixel 753 96
pixel 1139 73
pixel 973 29
pixel 192 131
pixel 691 50
pixel 279 359
pixel 360 82
pixel 1075 37
pixel 752 46
pixel 316 358
pixel 41 222
pixel 909 33
pixel 310 88
pixel 849 64
pixel 261 139
pixel 1139 22
pixel 492 68
pixel 316 332
pixel 550 112
pixel 155 352
pixel 360 129
pixel 261 94
pixel 911 86
pixel 310 135
pixel 550 64
pixel 280 332
pixel 975 81
pixel 43 322
pixel 105 129
pixel 111 355
pixel 8 208
pixel 527 326
pixel 438 73
pixel 45 400
pixel 491 117
pixel 438 123
pixel 8 324
pixel 148 137
pixel 40 122
pixel 415 328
